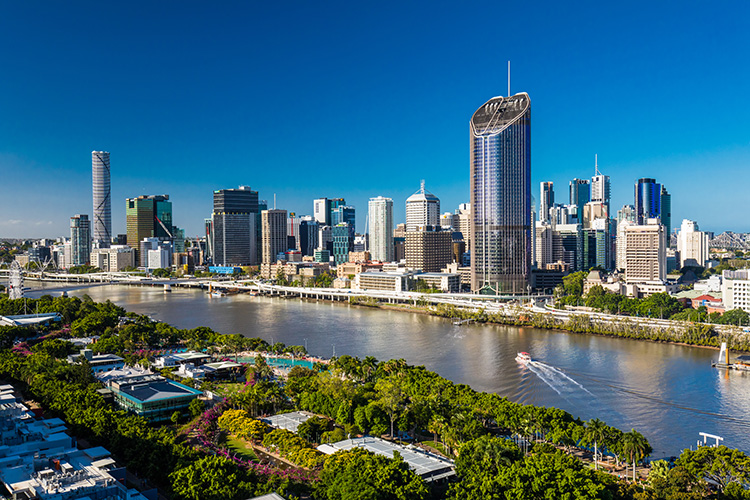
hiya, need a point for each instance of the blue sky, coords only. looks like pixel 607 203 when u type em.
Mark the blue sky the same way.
pixel 360 99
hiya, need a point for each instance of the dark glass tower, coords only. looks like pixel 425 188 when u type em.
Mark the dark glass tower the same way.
pixel 234 224
pixel 647 200
pixel 501 195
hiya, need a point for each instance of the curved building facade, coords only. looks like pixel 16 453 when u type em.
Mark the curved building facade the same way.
pixel 102 198
pixel 501 195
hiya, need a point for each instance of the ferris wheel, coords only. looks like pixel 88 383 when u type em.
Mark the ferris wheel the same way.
pixel 15 281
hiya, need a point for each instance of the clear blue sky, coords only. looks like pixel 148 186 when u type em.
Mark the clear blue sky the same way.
pixel 360 99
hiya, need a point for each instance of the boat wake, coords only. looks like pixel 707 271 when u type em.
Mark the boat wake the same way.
pixel 556 379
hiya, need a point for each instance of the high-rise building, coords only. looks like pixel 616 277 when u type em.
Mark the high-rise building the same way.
pixel 344 214
pixel 645 252
pixel 626 213
pixel 235 237
pixel 666 211
pixel 546 200
pixel 148 217
pixel 429 249
pixel 343 242
pixel 102 192
pixel 308 229
pixel 501 195
pixel 692 244
pixel 274 234
pixel 380 213
pixel 580 193
pixel 464 222
pixel 322 211
pixel 600 189
pixel 80 240
pixel 647 200
pixel 422 209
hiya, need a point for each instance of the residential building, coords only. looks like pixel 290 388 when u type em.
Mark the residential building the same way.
pixel 546 200
pixel 500 186
pixel 692 244
pixel 274 234
pixel 422 209
pixel 80 240
pixel 543 244
pixel 380 213
pixel 428 249
pixel 102 195
pixel 235 227
pixel 113 259
pixel 735 289
pixel 645 252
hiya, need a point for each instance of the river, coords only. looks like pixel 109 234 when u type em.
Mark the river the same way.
pixel 669 393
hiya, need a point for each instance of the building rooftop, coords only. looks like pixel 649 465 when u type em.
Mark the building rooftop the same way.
pixel 149 388
pixel 498 113
pixel 430 467
pixel 289 421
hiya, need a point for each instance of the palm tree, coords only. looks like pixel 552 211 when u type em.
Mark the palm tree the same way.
pixel 596 431
pixel 635 446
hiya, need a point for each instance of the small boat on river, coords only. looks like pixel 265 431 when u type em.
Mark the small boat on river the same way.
pixel 523 357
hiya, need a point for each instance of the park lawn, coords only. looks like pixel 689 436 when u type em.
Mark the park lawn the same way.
pixel 228 389
pixel 238 447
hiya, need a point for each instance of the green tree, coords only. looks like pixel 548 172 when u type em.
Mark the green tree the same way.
pixel 596 432
pixel 391 397
pixel 210 478
pixel 360 475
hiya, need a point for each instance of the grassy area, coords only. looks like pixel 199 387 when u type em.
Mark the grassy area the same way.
pixel 238 447
pixel 438 446
pixel 228 389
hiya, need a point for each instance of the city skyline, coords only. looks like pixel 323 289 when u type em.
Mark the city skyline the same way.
pixel 180 117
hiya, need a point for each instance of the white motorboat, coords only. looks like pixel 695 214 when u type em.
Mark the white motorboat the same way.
pixel 523 358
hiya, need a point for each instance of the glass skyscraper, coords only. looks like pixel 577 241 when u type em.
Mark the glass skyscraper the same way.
pixel 234 217
pixel 501 195
pixel 647 200
pixel 102 198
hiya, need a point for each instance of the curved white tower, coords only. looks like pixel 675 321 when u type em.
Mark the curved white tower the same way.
pixel 102 232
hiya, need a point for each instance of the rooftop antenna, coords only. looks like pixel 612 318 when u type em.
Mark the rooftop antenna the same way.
pixel 421 186
pixel 274 201
pixel 596 165
pixel 508 78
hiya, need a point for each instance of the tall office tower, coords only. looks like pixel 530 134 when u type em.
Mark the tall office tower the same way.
pixel 645 252
pixel 80 240
pixel 542 244
pixel 600 189
pixel 580 192
pixel 422 209
pixel 666 211
pixel 102 198
pixel 429 249
pixel 546 200
pixel 380 212
pixel 308 235
pixel 343 242
pixel 501 195
pixel 274 234
pixel 234 223
pixel 322 211
pixel 333 205
pixel 567 245
pixel 344 214
pixel 647 200
pixel 325 238
pixel 148 217
pixel 597 245
pixel 692 243
pixel 627 212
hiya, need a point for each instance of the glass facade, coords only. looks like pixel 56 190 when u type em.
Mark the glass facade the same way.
pixel 501 195
pixel 647 200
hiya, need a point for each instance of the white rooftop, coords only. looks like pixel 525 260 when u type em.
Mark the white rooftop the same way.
pixel 430 467
pixel 289 421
